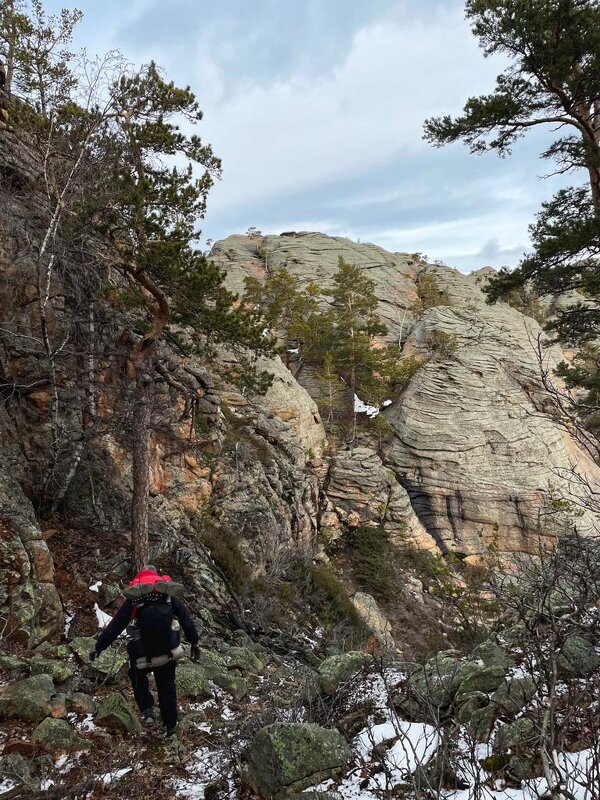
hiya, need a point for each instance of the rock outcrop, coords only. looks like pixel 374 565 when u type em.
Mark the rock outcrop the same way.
pixel 477 455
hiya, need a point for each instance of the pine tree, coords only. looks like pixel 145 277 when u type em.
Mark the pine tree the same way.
pixel 294 311
pixel 552 79
pixel 364 368
pixel 127 180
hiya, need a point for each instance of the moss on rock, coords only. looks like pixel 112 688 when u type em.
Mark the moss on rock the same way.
pixel 28 699
pixel 333 671
pixel 285 758
pixel 57 734
pixel 116 713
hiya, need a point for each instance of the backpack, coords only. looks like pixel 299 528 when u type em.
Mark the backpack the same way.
pixel 155 632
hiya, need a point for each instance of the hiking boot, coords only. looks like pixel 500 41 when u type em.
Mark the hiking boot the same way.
pixel 169 732
pixel 149 719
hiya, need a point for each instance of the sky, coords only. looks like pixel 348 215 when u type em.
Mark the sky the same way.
pixel 316 108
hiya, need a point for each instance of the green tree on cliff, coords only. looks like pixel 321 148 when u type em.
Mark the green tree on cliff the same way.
pixel 294 311
pixel 552 79
pixel 366 365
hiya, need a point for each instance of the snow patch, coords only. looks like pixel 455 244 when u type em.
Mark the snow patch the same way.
pixel 109 777
pixel 363 408
pixel 68 620
pixel 95 586
pixel 103 619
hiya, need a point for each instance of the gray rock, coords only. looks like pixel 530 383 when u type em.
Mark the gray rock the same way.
pixel 318 796
pixel 335 670
pixel 514 694
pixel 474 446
pixel 81 703
pixel 492 655
pixel 107 666
pixel 192 682
pixel 577 658
pixel 517 734
pixel 243 659
pixel 29 603
pixel 285 758
pixel 116 713
pixel 17 770
pixel 28 699
pixel 59 671
pixel 475 678
pixel 58 735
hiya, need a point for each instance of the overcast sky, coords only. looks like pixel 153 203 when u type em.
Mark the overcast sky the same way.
pixel 316 109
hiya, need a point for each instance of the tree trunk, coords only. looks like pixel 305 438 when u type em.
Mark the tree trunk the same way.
pixel 141 470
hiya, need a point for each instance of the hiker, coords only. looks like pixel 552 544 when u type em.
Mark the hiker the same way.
pixel 153 615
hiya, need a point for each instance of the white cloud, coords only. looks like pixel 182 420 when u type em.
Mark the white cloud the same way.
pixel 288 136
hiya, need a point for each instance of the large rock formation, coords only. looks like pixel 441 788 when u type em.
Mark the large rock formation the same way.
pixel 476 446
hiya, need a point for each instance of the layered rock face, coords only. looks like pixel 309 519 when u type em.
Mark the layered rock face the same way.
pixel 476 457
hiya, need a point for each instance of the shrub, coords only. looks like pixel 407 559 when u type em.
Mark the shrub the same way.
pixel 429 294
pixel 373 561
pixel 226 553
pixel 441 345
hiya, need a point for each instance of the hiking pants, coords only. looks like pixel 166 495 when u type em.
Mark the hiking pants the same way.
pixel 165 686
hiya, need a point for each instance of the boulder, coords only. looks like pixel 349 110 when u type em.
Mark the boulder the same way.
pixel 481 723
pixel 59 671
pixel 479 678
pixel 192 682
pixel 11 663
pixel 517 734
pixel 28 699
pixel 225 675
pixel 335 670
pixel 81 703
pixel 446 681
pixel 117 714
pixel 285 758
pixel 106 667
pixel 318 795
pixel 57 734
pixel 368 610
pixel 492 655
pixel 243 659
pixel 577 658
pixel 14 769
pixel 513 694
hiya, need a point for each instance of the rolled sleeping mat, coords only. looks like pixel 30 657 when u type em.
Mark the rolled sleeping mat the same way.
pixel 140 590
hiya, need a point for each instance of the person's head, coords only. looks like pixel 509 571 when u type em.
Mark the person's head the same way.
pixel 149 568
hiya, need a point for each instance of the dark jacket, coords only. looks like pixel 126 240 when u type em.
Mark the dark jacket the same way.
pixel 125 614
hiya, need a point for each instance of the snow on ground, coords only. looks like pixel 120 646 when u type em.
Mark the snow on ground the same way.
pixel 68 620
pixel 110 777
pixel 410 744
pixel 95 587
pixel 101 616
pixel 363 408
pixel 208 766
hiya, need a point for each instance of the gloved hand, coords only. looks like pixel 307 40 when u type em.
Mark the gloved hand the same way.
pixel 94 654
pixel 195 652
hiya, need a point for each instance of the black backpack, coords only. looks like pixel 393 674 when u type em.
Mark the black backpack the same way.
pixel 154 620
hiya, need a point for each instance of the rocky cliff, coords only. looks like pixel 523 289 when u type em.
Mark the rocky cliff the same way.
pixel 477 454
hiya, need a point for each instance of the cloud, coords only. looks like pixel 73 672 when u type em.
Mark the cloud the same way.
pixel 305 132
